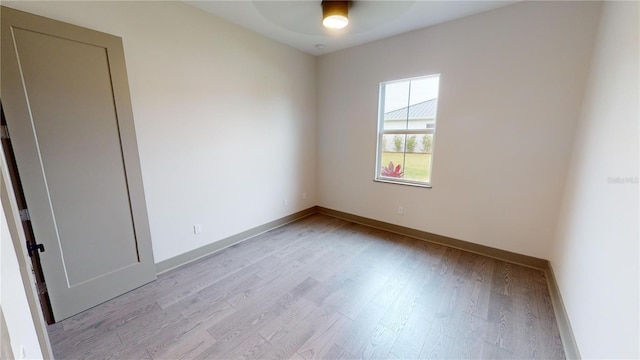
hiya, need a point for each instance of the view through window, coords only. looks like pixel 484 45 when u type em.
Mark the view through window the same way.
pixel 406 130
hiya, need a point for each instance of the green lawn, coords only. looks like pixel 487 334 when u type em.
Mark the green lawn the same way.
pixel 417 165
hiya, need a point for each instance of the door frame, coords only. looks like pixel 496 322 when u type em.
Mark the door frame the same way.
pixel 18 238
pixel 34 256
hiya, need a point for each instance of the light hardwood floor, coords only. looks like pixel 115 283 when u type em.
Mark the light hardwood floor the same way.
pixel 325 288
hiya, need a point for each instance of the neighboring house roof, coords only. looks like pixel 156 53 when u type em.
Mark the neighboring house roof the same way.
pixel 422 110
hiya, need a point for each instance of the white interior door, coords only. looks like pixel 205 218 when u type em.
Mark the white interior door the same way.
pixel 67 105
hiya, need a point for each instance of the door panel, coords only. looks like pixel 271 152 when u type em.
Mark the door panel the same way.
pixel 21 202
pixel 67 106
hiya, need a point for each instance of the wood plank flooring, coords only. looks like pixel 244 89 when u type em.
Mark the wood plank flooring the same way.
pixel 325 288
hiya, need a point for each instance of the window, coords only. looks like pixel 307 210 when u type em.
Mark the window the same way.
pixel 406 130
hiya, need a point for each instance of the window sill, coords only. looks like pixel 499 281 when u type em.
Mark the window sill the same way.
pixel 414 184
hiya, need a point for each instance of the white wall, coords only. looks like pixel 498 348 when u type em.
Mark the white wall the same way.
pixel 201 90
pixel 595 257
pixel 511 86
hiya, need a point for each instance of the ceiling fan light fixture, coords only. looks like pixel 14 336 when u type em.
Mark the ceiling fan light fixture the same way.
pixel 335 14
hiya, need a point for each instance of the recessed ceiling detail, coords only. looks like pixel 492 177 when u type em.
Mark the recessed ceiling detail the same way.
pixel 305 17
pixel 299 23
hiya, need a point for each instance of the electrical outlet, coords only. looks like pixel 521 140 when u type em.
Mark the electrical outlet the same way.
pixel 284 203
pixel 304 196
pixel 197 229
pixel 400 210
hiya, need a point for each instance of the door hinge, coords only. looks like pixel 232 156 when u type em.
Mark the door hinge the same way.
pixel 4 132
pixel 42 288
pixel 32 248
pixel 24 215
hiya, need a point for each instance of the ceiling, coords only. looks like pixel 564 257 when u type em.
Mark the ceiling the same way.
pixel 298 23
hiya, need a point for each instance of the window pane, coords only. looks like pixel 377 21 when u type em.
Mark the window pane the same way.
pixel 392 165
pixel 396 98
pixel 411 104
pixel 423 102
pixel 409 153
pixel 418 167
pixel 426 143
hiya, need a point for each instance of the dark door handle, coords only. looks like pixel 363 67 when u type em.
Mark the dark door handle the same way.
pixel 36 247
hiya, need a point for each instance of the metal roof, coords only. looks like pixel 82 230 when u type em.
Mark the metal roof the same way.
pixel 422 110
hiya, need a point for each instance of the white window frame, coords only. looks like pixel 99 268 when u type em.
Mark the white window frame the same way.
pixel 382 132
